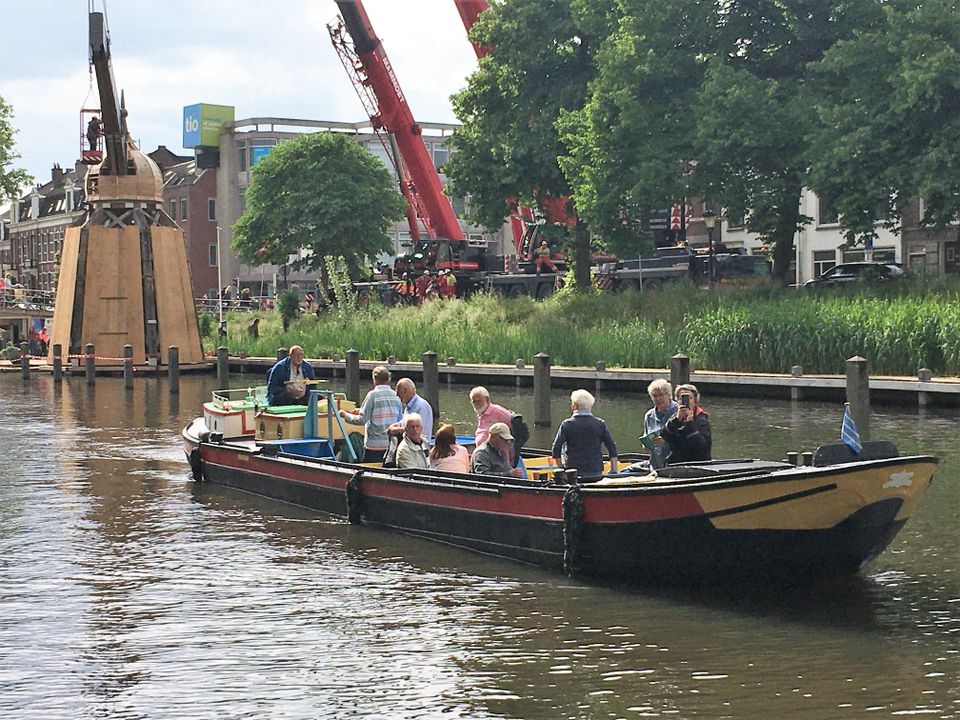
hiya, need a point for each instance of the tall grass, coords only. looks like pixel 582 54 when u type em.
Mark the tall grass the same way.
pixel 761 330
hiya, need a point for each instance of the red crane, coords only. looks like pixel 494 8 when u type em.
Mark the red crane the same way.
pixel 366 62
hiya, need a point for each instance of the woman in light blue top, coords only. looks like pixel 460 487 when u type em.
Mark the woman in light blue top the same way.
pixel 664 408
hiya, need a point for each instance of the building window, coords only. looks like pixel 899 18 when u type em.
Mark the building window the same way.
pixel 212 252
pixel 212 209
pixel 242 158
pixel 183 208
pixel 440 155
pixel 826 212
pixel 823 260
pixel 173 209
pixel 737 223
pixel 885 254
pixel 854 255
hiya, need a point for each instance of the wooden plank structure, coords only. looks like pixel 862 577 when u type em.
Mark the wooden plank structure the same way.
pixel 123 272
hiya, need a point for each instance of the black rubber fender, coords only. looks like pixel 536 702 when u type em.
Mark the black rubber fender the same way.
pixel 196 465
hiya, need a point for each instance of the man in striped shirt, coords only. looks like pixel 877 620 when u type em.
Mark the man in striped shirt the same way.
pixel 380 409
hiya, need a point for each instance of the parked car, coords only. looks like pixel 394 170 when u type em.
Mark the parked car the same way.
pixel 844 273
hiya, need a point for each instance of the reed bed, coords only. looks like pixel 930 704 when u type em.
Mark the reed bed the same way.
pixel 758 330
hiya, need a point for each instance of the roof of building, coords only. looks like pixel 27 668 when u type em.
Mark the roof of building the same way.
pixel 53 194
pixel 185 173
pixel 165 158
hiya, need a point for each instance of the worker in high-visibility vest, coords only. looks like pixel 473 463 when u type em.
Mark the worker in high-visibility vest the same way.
pixel 543 258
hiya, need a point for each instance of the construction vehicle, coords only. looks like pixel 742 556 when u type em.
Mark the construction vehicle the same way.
pixel 445 248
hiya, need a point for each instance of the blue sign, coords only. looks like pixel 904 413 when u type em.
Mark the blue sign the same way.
pixel 258 153
pixel 191 126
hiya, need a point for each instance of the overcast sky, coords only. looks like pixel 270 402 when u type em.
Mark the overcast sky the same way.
pixel 264 58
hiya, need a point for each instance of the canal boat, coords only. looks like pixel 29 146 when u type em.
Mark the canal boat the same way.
pixel 727 520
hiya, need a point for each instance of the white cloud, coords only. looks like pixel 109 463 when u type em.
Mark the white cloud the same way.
pixel 273 62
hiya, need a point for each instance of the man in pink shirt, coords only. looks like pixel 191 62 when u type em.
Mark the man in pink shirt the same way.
pixel 487 413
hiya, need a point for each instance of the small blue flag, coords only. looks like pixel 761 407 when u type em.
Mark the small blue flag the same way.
pixel 848 431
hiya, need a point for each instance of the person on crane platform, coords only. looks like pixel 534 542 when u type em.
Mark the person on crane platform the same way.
pixel 94 130
pixel 543 258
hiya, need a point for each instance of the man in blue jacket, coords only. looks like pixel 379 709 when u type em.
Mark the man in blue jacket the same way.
pixel 285 382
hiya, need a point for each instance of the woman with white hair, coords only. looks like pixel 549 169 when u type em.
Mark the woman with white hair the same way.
pixel 688 432
pixel 579 438
pixel 664 408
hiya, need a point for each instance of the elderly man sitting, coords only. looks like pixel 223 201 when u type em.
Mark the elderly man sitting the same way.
pixel 412 451
pixel 493 457
pixel 286 381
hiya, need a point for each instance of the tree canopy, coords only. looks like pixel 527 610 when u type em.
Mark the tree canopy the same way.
pixel 889 109
pixel 507 147
pixel 722 83
pixel 323 193
pixel 12 180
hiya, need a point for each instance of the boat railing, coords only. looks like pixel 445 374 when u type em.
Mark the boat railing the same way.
pixel 224 399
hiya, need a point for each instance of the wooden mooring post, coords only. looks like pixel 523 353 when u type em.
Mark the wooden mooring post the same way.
pixel 924 375
pixel 431 381
pixel 541 390
pixel 353 375
pixel 679 370
pixel 858 394
pixel 90 363
pixel 25 361
pixel 173 369
pixel 796 392
pixel 58 363
pixel 223 368
pixel 128 367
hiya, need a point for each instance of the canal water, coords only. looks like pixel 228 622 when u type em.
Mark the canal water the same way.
pixel 126 591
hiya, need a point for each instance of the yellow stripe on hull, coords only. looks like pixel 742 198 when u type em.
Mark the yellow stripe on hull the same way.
pixel 819 501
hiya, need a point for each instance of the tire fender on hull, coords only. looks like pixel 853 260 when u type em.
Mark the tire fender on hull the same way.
pixel 196 465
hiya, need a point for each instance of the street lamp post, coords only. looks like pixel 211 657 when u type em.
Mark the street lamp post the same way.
pixel 710 221
pixel 222 327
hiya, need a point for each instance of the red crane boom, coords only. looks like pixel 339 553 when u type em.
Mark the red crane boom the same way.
pixel 366 61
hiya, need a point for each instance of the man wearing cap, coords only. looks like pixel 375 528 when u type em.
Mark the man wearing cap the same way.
pixel 493 457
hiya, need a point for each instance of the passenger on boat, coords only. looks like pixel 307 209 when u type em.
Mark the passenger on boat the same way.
pixel 493 457
pixel 283 387
pixel 380 409
pixel 664 408
pixel 579 438
pixel 412 451
pixel 446 454
pixel 688 432
pixel 413 403
pixel 488 413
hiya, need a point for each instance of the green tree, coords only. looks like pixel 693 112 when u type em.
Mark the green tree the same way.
pixel 724 83
pixel 889 105
pixel 626 149
pixel 11 180
pixel 753 135
pixel 508 145
pixel 320 192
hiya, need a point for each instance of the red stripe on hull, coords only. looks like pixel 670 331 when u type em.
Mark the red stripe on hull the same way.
pixel 640 507
pixel 539 503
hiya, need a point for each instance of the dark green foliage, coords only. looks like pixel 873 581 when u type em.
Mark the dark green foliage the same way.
pixel 321 192
pixel 12 181
pixel 889 111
